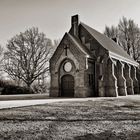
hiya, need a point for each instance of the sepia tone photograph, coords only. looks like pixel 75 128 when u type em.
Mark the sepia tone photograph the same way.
pixel 69 70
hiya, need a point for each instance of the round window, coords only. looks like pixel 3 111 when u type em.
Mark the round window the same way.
pixel 67 66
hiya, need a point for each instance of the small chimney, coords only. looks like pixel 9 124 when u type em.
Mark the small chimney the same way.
pixel 115 39
pixel 75 24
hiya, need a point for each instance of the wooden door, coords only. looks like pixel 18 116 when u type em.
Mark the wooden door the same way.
pixel 67 86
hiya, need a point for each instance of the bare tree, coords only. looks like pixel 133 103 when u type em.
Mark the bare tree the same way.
pixel 27 56
pixel 128 34
pixel 55 45
pixel 2 75
pixel 1 55
pixel 56 42
pixel 111 32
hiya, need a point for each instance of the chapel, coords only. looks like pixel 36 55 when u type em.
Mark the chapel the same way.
pixel 87 63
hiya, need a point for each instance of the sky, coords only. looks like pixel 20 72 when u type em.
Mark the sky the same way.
pixel 53 17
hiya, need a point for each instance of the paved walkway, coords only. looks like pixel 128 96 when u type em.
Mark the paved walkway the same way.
pixel 21 103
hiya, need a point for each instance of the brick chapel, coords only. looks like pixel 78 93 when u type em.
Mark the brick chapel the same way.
pixel 86 63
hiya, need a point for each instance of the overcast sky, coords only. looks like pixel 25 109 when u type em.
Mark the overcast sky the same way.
pixel 53 16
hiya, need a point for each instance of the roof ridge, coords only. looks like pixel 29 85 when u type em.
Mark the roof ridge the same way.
pixel 106 37
pixel 107 43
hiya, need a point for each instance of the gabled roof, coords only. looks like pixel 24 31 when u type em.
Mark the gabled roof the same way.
pixel 115 51
pixel 77 43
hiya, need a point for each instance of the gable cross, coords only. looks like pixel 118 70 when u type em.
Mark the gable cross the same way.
pixel 66 50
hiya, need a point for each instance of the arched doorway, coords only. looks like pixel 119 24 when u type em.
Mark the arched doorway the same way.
pixel 67 86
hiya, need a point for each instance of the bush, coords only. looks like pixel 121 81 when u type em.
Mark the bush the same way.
pixel 14 90
pixel 2 83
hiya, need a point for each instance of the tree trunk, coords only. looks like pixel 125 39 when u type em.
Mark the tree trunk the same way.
pixel 29 87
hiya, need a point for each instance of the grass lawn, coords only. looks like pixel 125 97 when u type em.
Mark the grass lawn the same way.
pixel 101 119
